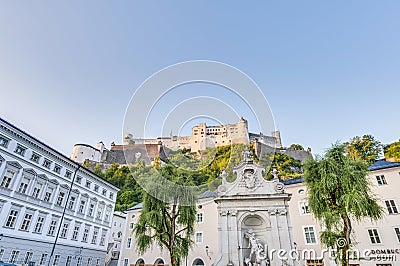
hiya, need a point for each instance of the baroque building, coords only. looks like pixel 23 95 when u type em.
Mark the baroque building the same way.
pixel 52 210
pixel 238 225
pixel 278 215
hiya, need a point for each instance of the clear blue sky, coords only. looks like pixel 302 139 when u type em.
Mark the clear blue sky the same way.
pixel 330 70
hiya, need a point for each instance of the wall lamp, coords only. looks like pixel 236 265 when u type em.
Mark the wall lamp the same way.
pixel 207 252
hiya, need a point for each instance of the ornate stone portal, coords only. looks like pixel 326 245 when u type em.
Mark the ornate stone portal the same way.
pixel 253 222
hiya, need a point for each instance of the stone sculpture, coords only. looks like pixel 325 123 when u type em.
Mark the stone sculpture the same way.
pixel 258 256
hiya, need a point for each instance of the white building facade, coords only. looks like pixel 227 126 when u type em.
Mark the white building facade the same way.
pixel 204 251
pixel 52 211
pixel 115 241
pixel 378 243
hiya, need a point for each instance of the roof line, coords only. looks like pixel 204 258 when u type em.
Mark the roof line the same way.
pixel 57 152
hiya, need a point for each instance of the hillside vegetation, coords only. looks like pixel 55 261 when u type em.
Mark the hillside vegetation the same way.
pixel 204 170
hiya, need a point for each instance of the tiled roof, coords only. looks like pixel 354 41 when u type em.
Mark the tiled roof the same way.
pixel 382 164
pixel 207 194
pixel 292 181
pixel 136 207
pixel 57 153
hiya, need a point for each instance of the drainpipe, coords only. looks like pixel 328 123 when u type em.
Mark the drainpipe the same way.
pixel 63 214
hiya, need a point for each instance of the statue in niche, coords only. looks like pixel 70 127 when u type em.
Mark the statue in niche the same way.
pixel 258 256
pixel 247 156
pixel 223 175
pixel 249 178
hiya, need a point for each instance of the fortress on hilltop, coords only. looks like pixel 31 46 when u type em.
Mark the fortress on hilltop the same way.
pixel 202 137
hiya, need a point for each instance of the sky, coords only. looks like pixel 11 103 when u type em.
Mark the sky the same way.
pixel 329 70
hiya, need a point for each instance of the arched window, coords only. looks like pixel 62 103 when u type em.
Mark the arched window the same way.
pixel 159 262
pixel 139 262
pixel 198 262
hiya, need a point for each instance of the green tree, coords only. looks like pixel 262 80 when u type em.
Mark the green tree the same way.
pixel 392 151
pixel 97 170
pixel 296 147
pixel 287 166
pixel 168 214
pixel 339 192
pixel 86 164
pixel 366 148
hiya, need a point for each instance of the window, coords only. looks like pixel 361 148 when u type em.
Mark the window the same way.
pixel 37 189
pixel 91 209
pixel 88 183
pixel 303 207
pixel 315 262
pixel 60 198
pixel 111 196
pixel 391 206
pixel 79 261
pixel 85 234
pixel 129 242
pixel 26 222
pixel 99 213
pixel 107 216
pixel 43 259
pixel 56 260
pixel 57 169
pixel 198 262
pixel 374 236
pixel 28 257
pixel 96 188
pixel 48 194
pixel 1 254
pixel 8 176
pixel 4 141
pixel 381 180
pixel 89 261
pixel 199 217
pixel 78 179
pixel 20 150
pixel 23 186
pixel 13 256
pixel 12 217
pixel 126 262
pixel 52 228
pixel 309 234
pixel 68 262
pixel 97 262
pixel 82 206
pixel 199 237
pixel 397 231
pixel 68 174
pixel 103 237
pixel 64 230
pixel 47 163
pixel 75 232
pixel 35 157
pixel 94 237
pixel 131 225
pixel 71 202
pixel 39 224
pixel 104 192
